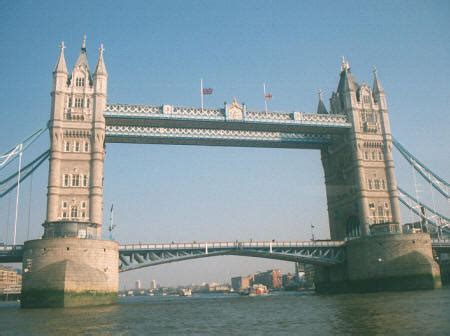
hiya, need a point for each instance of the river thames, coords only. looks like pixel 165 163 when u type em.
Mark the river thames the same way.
pixel 284 313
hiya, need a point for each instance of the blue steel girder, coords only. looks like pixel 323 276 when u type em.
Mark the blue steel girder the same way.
pixel 215 127
pixel 325 253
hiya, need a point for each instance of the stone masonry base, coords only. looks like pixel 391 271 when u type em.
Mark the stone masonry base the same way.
pixel 69 272
pixel 394 262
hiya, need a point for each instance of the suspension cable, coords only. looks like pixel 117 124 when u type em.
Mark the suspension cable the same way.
pixel 43 157
pixel 436 181
pixel 10 155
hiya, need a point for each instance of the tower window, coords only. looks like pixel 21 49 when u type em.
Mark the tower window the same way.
pixel 79 81
pixel 366 155
pixel 74 212
pixel 69 103
pixel 83 205
pixel 383 184
pixel 377 184
pixel 366 100
pixel 64 214
pixel 86 146
pixel 77 146
pixel 373 156
pixel 64 204
pixel 370 184
pixel 380 156
pixel 75 180
pixel 83 215
pixel 66 146
pixel 372 205
pixel 78 102
pixel 66 180
pixel 380 211
pixel 85 181
pixel 88 102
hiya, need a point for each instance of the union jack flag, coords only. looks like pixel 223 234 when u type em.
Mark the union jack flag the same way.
pixel 268 96
pixel 207 91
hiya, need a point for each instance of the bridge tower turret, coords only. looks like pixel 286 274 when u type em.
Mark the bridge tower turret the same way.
pixel 71 265
pixel 359 170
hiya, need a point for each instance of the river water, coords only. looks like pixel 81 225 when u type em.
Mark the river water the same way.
pixel 401 313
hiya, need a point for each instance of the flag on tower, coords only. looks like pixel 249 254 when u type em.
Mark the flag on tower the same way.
pixel 268 96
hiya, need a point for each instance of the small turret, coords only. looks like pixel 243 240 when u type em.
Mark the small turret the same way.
pixel 100 69
pixel 378 91
pixel 60 74
pixel 61 66
pixel 321 109
pixel 377 88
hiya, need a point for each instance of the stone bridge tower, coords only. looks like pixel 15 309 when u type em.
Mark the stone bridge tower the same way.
pixel 77 131
pixel 359 170
pixel 71 265
pixel 363 200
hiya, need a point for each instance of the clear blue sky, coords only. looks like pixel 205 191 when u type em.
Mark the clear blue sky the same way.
pixel 157 51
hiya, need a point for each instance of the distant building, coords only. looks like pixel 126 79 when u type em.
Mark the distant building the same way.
pixel 138 284
pixel 153 285
pixel 10 282
pixel 241 282
pixel 215 287
pixel 271 279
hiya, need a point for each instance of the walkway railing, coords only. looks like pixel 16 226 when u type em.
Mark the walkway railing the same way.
pixel 235 244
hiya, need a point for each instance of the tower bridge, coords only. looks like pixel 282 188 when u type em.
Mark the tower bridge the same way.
pixel 72 265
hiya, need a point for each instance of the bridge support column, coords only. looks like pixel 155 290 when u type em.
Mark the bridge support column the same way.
pixel 383 263
pixel 69 272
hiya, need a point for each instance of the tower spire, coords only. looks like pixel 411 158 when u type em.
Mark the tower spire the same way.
pixel 321 109
pixel 83 44
pixel 100 69
pixel 61 64
pixel 377 88
pixel 82 58
pixel 345 65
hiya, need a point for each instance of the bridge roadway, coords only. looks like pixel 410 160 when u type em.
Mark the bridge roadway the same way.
pixel 134 256
pixel 229 126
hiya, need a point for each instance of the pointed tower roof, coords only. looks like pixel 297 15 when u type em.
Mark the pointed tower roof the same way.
pixel 61 64
pixel 321 109
pixel 346 81
pixel 82 58
pixel 377 88
pixel 100 69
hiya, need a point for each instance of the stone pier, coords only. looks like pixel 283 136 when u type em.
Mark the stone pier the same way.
pixel 392 262
pixel 68 272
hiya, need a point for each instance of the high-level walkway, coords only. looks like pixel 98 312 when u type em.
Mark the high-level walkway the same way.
pixel 231 126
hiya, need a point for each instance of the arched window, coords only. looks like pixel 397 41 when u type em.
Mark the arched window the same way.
pixel 66 146
pixel 77 146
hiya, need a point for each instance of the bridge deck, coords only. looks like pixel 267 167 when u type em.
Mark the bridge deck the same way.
pixel 133 256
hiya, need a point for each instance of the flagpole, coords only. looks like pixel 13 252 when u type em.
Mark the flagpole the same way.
pixel 201 92
pixel 265 100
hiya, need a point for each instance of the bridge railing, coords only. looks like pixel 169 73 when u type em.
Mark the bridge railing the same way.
pixel 235 244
